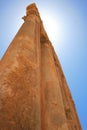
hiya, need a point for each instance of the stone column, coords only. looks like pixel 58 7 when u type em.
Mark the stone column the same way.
pixel 53 114
pixel 20 77
pixel 69 107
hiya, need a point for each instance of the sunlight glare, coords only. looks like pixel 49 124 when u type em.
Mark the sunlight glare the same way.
pixel 53 27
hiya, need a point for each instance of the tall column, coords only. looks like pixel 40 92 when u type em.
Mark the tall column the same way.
pixel 20 77
pixel 33 91
pixel 53 114
pixel 69 107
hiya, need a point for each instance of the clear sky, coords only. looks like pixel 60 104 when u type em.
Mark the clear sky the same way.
pixel 66 24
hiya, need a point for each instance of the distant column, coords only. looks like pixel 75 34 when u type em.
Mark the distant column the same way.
pixel 53 115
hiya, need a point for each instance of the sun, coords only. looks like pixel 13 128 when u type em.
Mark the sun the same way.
pixel 53 28
pixel 50 26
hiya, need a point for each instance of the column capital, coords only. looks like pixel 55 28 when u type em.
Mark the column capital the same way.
pixel 31 10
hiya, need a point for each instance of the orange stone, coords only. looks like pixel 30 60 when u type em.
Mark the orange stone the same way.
pixel 34 94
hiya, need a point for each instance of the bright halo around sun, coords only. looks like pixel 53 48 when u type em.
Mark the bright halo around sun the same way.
pixel 53 28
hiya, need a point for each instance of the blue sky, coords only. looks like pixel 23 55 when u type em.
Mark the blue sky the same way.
pixel 66 24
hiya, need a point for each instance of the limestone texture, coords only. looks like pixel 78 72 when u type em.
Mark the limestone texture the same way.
pixel 34 94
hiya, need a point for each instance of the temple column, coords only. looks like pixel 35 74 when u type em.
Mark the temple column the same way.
pixel 53 114
pixel 20 78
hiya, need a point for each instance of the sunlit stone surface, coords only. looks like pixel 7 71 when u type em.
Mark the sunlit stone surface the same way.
pixel 33 91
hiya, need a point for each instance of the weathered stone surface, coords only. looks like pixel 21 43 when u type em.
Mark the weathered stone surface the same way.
pixel 33 91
